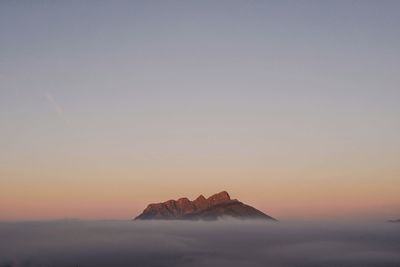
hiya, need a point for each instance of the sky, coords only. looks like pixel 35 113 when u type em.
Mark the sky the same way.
pixel 290 106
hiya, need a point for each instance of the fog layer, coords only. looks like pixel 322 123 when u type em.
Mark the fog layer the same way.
pixel 190 244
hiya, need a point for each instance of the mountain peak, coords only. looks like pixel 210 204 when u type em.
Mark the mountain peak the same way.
pixel 219 197
pixel 217 205
pixel 200 198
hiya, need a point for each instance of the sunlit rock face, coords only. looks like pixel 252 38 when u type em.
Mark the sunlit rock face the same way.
pixel 216 206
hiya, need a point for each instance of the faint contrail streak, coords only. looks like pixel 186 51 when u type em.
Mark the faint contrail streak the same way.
pixel 57 107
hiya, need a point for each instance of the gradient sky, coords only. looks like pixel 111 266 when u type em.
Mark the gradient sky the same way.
pixel 291 106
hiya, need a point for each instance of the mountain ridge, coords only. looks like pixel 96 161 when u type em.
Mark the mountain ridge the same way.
pixel 212 208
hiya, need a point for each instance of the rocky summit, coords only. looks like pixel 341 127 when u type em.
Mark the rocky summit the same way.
pixel 216 206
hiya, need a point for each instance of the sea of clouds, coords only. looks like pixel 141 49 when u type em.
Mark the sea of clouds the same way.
pixel 190 244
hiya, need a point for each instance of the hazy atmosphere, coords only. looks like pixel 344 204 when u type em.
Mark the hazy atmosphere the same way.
pixel 289 105
pixel 169 133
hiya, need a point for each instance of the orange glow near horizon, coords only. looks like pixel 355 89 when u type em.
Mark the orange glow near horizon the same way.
pixel 91 194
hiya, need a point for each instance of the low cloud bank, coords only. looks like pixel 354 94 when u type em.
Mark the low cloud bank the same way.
pixel 193 244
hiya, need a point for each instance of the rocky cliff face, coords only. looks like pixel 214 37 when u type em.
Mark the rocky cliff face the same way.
pixel 212 208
